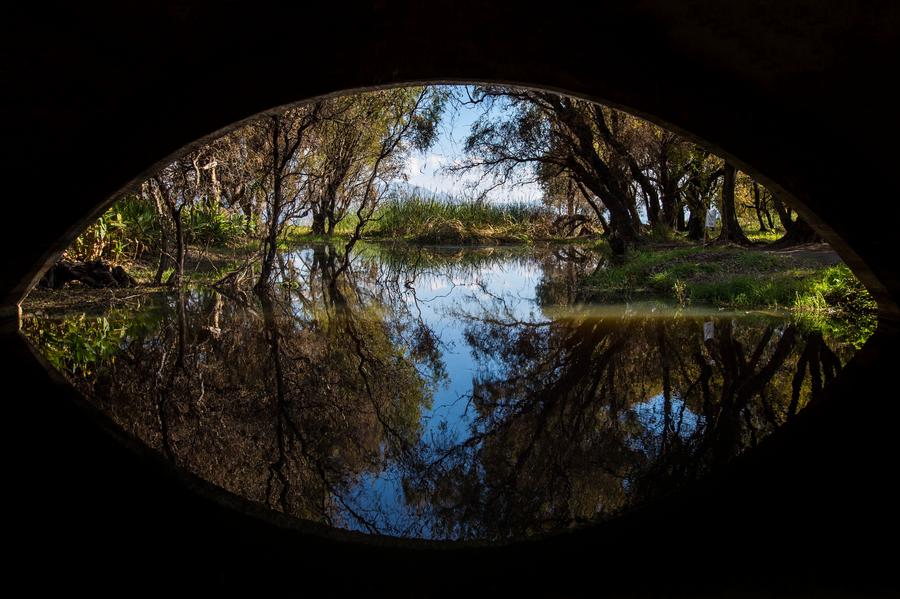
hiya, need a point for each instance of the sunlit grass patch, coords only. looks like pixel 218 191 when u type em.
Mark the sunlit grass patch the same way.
pixel 734 278
pixel 432 220
pixel 764 236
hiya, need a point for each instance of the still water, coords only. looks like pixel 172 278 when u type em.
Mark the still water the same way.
pixel 440 393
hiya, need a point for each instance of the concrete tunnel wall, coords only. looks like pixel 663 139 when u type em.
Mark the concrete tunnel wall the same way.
pixel 796 93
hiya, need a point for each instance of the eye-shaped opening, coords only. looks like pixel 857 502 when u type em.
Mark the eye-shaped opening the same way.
pixel 298 322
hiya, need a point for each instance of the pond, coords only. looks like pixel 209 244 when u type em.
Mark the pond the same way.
pixel 440 393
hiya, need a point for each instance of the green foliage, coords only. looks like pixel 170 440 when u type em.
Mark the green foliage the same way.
pixel 826 299
pixel 130 229
pixel 749 291
pixel 209 224
pixel 768 236
pixel 76 344
pixel 430 220
pixel 838 288
pixel 661 233
pixel 127 230
pixel 835 301
pixel 733 278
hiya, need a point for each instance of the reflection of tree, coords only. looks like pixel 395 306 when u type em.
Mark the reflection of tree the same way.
pixel 309 396
pixel 563 271
pixel 288 401
pixel 584 416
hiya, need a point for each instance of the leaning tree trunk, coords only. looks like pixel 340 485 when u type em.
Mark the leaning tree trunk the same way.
pixel 784 214
pixel 635 217
pixel 757 205
pixel 623 217
pixel 800 232
pixel 597 211
pixel 795 231
pixel 731 228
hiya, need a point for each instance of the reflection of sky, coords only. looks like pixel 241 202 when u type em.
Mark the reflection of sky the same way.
pixel 450 297
pixel 651 414
pixel 441 297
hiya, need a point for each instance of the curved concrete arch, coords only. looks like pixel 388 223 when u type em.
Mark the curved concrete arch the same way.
pixel 794 92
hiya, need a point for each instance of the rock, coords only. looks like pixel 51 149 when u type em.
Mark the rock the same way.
pixel 97 274
pixel 124 279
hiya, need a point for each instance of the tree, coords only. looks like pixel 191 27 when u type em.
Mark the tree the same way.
pixel 527 135
pixel 362 145
pixel 731 228
pixel 286 179
pixel 241 173
pixel 797 230
pixel 174 188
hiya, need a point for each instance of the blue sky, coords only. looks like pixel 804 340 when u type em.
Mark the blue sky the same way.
pixel 423 169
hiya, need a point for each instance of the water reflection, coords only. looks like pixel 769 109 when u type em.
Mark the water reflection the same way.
pixel 440 393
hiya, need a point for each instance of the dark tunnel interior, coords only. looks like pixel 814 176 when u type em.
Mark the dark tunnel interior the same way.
pixel 798 94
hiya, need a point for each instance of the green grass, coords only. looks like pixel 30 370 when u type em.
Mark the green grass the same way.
pixel 467 222
pixel 763 236
pixel 701 273
pixel 829 299
pixel 733 278
pixel 835 302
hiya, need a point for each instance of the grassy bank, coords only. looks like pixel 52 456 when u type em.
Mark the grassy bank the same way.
pixel 737 278
pixel 439 222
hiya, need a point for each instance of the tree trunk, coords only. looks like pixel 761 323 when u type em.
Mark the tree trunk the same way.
pixel 652 209
pixel 669 196
pixel 172 230
pixel 597 211
pixel 693 197
pixel 623 231
pixel 631 233
pixel 695 224
pixel 271 240
pixel 795 231
pixel 634 214
pixel 680 224
pixel 768 217
pixel 318 221
pixel 270 245
pixel 784 214
pixel 800 232
pixel 177 276
pixel 731 229
pixel 757 204
pixel 165 235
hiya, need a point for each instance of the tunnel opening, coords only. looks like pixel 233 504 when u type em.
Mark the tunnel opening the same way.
pixel 281 238
pixel 794 89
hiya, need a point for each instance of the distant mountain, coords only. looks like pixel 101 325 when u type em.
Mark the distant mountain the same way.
pixel 402 188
